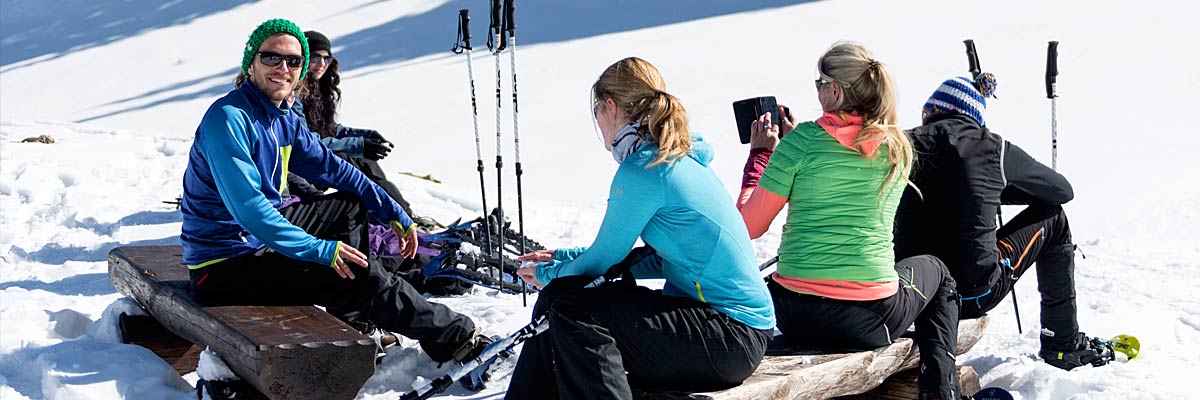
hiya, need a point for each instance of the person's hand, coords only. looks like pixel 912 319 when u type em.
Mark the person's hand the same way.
pixel 786 120
pixel 346 256
pixel 764 134
pixel 529 275
pixel 539 256
pixel 374 134
pixel 375 149
pixel 408 243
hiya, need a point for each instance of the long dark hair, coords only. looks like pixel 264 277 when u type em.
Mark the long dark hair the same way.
pixel 321 97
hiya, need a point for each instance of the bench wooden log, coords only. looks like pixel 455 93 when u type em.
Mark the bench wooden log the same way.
pixel 903 386
pixel 811 374
pixel 284 352
pixel 145 331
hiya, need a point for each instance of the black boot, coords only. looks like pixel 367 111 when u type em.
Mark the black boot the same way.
pixel 1081 351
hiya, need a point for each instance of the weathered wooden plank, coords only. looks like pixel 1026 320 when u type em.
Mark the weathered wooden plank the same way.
pixel 145 331
pixel 285 352
pixel 903 386
pixel 822 376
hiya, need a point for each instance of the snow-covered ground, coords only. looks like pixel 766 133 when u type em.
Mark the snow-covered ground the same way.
pixel 121 85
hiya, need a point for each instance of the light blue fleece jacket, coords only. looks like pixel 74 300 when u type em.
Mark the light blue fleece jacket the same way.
pixel 684 212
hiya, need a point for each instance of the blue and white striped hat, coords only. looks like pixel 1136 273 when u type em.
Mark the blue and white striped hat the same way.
pixel 958 95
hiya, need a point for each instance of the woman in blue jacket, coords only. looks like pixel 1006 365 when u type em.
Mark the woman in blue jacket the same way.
pixel 709 326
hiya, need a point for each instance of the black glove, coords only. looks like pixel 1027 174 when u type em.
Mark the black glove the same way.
pixel 367 134
pixel 375 149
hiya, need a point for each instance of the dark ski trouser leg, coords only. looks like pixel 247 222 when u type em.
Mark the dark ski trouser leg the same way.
pixel 937 325
pixel 271 278
pixel 337 216
pixel 266 277
pixel 604 340
pixel 926 296
pixel 533 377
pixel 375 173
pixel 1038 235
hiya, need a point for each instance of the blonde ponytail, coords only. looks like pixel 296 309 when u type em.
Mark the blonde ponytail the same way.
pixel 869 90
pixel 637 87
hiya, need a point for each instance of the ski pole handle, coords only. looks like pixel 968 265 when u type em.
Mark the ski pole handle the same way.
pixel 972 58
pixel 464 32
pixel 1052 69
pixel 510 24
pixel 464 26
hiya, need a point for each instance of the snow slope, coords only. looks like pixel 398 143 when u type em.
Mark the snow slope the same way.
pixel 121 85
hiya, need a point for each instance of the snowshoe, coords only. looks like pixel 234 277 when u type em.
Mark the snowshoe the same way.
pixel 1127 345
pixel 1083 351
pixel 477 379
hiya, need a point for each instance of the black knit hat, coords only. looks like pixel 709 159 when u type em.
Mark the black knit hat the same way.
pixel 317 41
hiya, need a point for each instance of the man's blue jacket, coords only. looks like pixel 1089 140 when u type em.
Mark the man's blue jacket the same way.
pixel 244 148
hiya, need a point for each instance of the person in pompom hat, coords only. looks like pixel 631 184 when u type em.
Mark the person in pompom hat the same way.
pixel 242 246
pixel 964 173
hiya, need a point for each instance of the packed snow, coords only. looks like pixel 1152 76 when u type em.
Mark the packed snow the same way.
pixel 121 85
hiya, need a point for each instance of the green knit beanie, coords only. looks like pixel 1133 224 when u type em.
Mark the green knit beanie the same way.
pixel 271 28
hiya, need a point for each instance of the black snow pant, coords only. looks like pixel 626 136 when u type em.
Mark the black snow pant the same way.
pixel 926 296
pixel 266 277
pixel 374 172
pixel 1038 235
pixel 605 342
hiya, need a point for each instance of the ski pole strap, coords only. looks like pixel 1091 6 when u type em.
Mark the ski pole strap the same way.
pixel 464 32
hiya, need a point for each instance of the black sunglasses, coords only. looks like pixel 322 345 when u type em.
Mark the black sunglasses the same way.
pixel 272 59
pixel 320 59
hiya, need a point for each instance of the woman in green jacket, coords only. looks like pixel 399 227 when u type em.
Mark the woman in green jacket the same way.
pixel 842 177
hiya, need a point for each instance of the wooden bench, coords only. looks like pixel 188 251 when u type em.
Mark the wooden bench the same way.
pixel 284 352
pixel 809 374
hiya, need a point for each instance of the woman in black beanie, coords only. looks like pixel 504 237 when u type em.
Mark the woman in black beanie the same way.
pixel 317 101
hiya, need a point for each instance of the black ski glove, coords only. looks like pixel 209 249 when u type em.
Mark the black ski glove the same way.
pixel 367 134
pixel 375 149
pixel 374 134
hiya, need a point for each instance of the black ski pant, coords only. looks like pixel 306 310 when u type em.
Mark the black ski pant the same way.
pixel 1038 235
pixel 374 172
pixel 926 295
pixel 605 341
pixel 266 277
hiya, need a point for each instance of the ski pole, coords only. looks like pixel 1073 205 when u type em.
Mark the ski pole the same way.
pixel 972 58
pixel 974 68
pixel 464 44
pixel 540 324
pixel 1051 89
pixel 511 26
pixel 495 29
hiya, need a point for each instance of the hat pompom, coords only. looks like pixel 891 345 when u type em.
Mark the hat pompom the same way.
pixel 986 83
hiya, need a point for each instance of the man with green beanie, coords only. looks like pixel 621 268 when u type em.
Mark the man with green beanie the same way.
pixel 244 247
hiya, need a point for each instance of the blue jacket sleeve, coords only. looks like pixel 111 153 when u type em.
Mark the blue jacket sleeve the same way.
pixel 317 163
pixel 352 146
pixel 634 198
pixel 224 140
